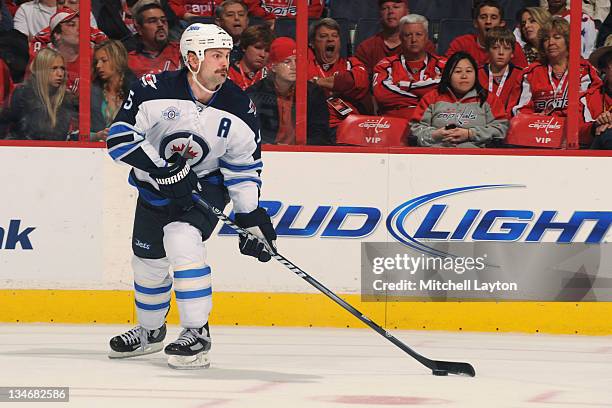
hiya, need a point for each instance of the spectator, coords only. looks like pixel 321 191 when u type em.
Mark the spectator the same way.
pixel 14 52
pixel 460 113
pixel 110 85
pixel 598 101
pixel 43 38
pixel 11 6
pixel 500 77
pixel 544 85
pixel 64 26
pixel 598 10
pixel 74 5
pixel 6 18
pixel 232 16
pixel 589 31
pixel 33 16
pixel 386 43
pixel 115 18
pixel 531 19
pixel 154 53
pixel 402 80
pixel 41 108
pixel 274 98
pixel 256 41
pixel 486 14
pixel 344 81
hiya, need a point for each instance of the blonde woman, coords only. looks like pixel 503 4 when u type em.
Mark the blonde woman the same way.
pixel 531 20
pixel 41 109
pixel 110 85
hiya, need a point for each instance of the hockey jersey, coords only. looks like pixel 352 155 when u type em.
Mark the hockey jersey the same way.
pixel 399 85
pixel 541 92
pixel 141 62
pixel 469 43
pixel 350 83
pixel 374 49
pixel 160 115
pixel 588 33
pixel 502 87
pixel 288 8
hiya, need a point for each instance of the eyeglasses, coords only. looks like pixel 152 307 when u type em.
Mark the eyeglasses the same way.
pixel 156 20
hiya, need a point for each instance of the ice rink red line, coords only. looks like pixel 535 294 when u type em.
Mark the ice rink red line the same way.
pixel 548 397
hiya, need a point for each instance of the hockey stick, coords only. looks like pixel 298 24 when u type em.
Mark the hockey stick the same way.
pixel 438 367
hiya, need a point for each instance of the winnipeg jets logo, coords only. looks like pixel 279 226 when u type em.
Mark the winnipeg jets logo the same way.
pixel 194 150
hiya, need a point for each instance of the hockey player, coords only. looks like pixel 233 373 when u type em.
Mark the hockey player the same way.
pixel 183 131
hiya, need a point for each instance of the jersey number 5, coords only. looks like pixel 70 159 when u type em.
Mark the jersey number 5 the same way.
pixel 128 103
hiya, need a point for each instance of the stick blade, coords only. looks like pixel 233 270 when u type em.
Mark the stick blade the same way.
pixel 452 367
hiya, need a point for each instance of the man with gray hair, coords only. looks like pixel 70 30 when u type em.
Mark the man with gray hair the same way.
pixel 402 80
pixel 387 42
pixel 344 81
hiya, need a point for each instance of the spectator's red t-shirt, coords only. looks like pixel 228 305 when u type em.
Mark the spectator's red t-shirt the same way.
pixel 141 62
pixel 469 43
pixel 374 49
pixel 508 82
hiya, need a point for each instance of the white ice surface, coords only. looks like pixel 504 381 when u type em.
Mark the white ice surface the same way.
pixel 295 367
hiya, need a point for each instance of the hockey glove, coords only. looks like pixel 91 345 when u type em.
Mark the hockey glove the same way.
pixel 177 181
pixel 257 223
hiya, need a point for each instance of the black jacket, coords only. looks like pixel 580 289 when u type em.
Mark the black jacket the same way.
pixel 264 96
pixel 27 117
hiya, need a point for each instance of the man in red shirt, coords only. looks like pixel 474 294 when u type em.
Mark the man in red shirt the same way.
pixel 344 81
pixel 256 41
pixel 486 14
pixel 400 81
pixel 64 26
pixel 154 53
pixel 387 42
pixel 499 76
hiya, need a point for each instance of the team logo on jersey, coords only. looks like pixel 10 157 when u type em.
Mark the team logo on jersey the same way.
pixel 149 79
pixel 194 151
pixel 171 113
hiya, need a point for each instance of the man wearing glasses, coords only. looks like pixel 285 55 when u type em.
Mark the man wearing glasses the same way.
pixel 154 52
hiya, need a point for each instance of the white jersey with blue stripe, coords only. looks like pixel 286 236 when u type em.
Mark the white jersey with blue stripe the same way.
pixel 160 115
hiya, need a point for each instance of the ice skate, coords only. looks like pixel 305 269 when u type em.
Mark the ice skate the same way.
pixel 137 342
pixel 190 350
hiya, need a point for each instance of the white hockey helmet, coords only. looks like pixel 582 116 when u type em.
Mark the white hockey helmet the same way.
pixel 199 37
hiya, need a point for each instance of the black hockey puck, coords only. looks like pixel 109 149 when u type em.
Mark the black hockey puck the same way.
pixel 440 373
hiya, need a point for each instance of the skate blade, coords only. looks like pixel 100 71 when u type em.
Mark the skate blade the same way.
pixel 149 349
pixel 197 362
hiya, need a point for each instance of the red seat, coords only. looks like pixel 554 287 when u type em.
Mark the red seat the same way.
pixel 536 131
pixel 372 131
